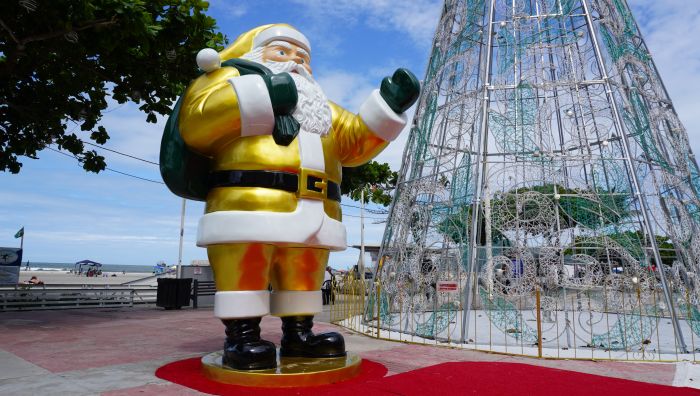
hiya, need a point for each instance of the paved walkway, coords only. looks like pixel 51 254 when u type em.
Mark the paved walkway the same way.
pixel 116 352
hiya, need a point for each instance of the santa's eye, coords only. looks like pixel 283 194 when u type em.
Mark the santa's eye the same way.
pixel 281 52
pixel 303 61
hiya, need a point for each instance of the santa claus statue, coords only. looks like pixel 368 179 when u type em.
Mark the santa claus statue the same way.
pixel 276 147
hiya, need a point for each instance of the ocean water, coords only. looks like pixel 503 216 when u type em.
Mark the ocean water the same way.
pixel 39 266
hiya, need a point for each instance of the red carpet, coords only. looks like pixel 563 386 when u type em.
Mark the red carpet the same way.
pixel 188 373
pixel 480 378
pixel 463 378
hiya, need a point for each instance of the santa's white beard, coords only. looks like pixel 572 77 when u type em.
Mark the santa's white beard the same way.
pixel 312 111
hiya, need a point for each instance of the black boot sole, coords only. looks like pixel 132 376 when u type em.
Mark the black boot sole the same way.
pixel 248 367
pixel 288 353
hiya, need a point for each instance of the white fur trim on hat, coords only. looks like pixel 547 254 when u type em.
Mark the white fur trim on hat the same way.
pixel 293 303
pixel 281 33
pixel 241 304
pixel 257 117
pixel 380 118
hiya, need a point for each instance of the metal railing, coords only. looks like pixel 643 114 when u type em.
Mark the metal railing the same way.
pixel 601 323
pixel 348 302
pixel 41 297
pixel 201 289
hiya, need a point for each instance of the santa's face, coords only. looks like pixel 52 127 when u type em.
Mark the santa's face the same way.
pixel 312 111
pixel 283 51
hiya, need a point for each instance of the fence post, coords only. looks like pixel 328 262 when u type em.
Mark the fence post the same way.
pixel 379 309
pixel 195 294
pixel 641 319
pixel 330 308
pixel 539 322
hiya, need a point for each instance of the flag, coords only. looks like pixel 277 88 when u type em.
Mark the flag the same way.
pixel 20 233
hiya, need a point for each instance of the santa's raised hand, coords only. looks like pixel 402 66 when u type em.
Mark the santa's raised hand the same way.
pixel 401 90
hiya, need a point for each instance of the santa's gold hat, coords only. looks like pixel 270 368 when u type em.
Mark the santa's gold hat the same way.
pixel 209 60
pixel 261 36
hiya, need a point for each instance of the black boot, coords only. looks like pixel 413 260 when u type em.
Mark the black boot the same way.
pixel 298 340
pixel 244 350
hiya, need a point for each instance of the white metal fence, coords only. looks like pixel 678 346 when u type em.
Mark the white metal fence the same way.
pixel 37 297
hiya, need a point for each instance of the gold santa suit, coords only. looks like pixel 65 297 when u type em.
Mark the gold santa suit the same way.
pixel 256 236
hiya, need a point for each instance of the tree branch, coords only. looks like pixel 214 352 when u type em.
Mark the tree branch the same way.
pixel 95 70
pixel 12 35
pixel 50 35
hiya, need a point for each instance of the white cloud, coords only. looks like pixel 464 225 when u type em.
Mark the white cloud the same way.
pixel 130 133
pixel 415 18
pixel 70 215
pixel 671 29
pixel 89 237
pixel 236 10
pixel 347 89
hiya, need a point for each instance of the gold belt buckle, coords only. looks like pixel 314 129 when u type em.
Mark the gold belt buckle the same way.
pixel 320 185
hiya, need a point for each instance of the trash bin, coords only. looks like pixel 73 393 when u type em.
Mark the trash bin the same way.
pixel 174 293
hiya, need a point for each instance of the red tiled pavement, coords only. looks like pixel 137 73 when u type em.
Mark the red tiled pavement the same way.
pixel 80 339
pixel 71 342
pixel 155 390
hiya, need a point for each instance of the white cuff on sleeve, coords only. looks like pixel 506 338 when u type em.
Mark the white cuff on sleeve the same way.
pixel 254 104
pixel 380 118
pixel 293 303
pixel 241 304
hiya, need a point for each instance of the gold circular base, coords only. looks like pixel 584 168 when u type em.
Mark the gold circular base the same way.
pixel 290 372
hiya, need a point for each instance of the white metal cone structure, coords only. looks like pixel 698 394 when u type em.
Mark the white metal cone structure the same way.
pixel 545 155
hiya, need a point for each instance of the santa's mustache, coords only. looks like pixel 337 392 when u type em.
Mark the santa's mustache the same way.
pixel 289 67
pixel 256 55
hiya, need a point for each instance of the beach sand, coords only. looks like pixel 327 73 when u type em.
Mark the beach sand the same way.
pixel 66 278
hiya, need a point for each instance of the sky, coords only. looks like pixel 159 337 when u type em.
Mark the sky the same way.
pixel 70 215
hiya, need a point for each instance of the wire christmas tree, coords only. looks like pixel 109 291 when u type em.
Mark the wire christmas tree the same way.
pixel 545 157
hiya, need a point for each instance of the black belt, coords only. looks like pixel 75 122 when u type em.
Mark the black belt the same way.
pixel 317 186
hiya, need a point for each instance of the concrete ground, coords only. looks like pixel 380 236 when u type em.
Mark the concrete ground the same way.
pixel 116 352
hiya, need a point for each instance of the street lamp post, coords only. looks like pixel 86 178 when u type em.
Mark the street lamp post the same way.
pixel 182 234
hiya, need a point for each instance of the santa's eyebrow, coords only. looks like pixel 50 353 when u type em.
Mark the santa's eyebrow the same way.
pixel 303 52
pixel 280 44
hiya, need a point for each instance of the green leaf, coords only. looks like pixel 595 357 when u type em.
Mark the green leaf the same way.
pixel 375 179
pixel 100 136
pixel 53 84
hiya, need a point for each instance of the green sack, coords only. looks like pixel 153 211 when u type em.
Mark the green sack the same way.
pixel 185 172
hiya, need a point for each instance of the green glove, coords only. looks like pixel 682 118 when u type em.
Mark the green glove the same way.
pixel 401 90
pixel 284 97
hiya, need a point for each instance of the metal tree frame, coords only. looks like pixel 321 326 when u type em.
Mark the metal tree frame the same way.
pixel 548 175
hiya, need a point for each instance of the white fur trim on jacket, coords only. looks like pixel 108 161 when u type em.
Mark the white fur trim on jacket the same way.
pixel 293 303
pixel 311 151
pixel 307 226
pixel 281 33
pixel 380 118
pixel 241 304
pixel 257 117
